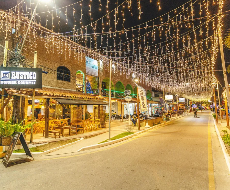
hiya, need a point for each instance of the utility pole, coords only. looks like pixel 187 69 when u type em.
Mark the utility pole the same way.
pixel 110 81
pixel 226 110
pixel 219 101
pixel 222 56
pixel 138 112
pixel 4 65
pixel 33 100
pixel 214 94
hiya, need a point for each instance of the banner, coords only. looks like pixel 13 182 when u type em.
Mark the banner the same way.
pixel 91 67
pixel 143 100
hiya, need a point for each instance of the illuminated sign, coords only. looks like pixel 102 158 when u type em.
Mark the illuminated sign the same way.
pixel 18 77
pixel 91 67
pixel 181 99
pixel 168 97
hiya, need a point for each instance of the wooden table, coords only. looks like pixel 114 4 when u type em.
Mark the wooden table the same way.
pixel 62 128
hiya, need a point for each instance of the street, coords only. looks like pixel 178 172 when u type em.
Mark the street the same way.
pixel 171 157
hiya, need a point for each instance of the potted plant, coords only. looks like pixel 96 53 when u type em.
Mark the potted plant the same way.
pixel 214 115
pixel 20 128
pixel 6 132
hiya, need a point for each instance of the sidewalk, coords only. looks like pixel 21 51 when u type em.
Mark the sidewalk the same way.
pixel 222 125
pixel 84 140
pixel 117 127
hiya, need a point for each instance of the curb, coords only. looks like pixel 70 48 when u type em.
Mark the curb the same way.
pixel 20 154
pixel 121 139
pixel 226 156
pixel 63 146
pixel 82 138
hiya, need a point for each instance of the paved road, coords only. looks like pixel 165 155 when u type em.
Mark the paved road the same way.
pixel 173 157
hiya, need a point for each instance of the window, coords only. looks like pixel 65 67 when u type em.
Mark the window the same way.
pixel 63 74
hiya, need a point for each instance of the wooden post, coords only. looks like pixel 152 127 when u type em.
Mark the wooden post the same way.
pixel 226 111
pixel 121 112
pixel 4 65
pixel 138 111
pixel 214 92
pixel 99 77
pixel 177 109
pixel 84 110
pixel 219 100
pixel 47 118
pixel 110 81
pixel 222 56
pixel 98 112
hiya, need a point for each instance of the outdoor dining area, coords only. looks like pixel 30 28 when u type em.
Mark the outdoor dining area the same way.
pixel 61 127
pixel 64 119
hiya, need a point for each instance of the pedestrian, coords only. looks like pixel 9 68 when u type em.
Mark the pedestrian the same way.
pixel 195 112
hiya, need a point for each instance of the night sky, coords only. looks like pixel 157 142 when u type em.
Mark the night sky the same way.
pixel 149 11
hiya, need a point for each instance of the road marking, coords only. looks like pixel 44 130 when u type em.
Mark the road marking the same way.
pixel 211 179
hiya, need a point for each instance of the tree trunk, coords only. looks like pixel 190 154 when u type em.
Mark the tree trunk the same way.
pixel 16 110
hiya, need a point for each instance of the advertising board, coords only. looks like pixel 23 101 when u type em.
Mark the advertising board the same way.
pixel 19 77
pixel 168 97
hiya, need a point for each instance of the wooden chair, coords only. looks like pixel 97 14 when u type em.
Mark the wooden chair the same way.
pixel 52 131
pixel 77 127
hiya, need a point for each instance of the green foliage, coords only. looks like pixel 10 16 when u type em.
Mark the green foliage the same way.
pixel 228 69
pixel 8 129
pixel 33 149
pixel 87 115
pixel 214 115
pixel 119 89
pixel 129 87
pixel 119 86
pixel 226 137
pixel 106 80
pixel 94 83
pixel 118 136
pixel 149 95
pixel 135 92
pixel 106 116
pixel 47 146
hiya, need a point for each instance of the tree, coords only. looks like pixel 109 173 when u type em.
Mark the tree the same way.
pixel 129 87
pixel 149 95
pixel 119 88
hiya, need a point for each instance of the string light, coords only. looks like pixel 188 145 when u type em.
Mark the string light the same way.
pixel 156 56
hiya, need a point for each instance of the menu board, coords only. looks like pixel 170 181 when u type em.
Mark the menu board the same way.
pixel 11 147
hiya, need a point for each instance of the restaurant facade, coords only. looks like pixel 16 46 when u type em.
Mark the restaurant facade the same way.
pixel 74 82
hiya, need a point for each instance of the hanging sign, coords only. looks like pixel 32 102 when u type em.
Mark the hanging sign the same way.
pixel 143 100
pixel 128 98
pixel 168 97
pixel 127 92
pixel 19 77
pixel 181 99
